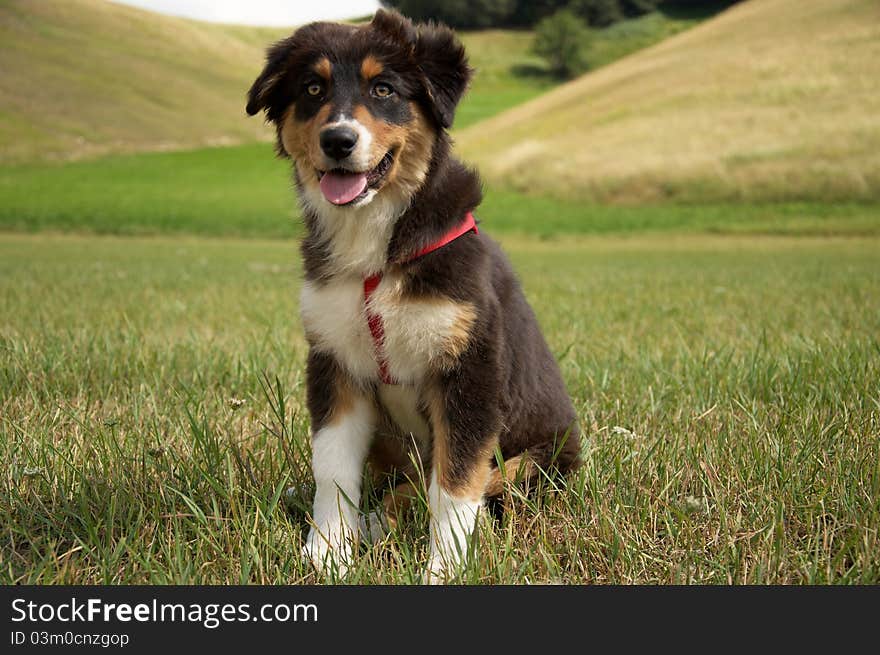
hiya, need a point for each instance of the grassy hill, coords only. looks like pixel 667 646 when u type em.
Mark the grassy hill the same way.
pixel 80 78
pixel 771 100
pixel 627 131
pixel 83 78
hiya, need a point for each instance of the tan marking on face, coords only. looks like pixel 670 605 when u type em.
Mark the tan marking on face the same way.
pixel 371 67
pixel 412 162
pixel 301 141
pixel 385 135
pixel 413 142
pixel 324 68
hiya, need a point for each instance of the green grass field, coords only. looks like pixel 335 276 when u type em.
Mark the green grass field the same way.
pixel 549 188
pixel 245 191
pixel 719 334
pixel 727 389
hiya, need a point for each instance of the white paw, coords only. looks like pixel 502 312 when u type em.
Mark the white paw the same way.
pixel 439 570
pixel 326 557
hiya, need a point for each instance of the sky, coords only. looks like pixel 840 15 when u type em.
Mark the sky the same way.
pixel 260 12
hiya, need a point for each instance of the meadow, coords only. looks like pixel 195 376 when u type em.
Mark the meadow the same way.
pixel 717 332
pixel 245 191
pixel 772 100
pixel 727 388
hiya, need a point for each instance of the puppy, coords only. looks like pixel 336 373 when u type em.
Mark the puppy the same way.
pixel 424 356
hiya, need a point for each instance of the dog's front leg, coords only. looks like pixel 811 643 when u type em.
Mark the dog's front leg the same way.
pixel 343 420
pixel 464 428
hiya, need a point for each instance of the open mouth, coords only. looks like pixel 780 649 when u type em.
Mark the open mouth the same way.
pixel 344 187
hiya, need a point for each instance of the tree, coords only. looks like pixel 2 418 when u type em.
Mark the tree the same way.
pixel 638 7
pixel 560 39
pixel 527 13
pixel 598 13
pixel 469 14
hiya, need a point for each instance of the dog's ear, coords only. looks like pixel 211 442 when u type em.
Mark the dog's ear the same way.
pixel 443 61
pixel 439 56
pixel 396 27
pixel 265 87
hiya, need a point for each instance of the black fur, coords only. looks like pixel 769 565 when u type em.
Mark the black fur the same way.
pixel 505 385
pixel 429 63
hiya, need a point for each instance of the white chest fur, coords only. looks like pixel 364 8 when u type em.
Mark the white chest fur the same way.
pixel 420 334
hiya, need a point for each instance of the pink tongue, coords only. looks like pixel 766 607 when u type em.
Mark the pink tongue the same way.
pixel 340 188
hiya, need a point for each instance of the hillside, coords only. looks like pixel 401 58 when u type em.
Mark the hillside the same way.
pixel 773 99
pixel 84 77
pixel 88 77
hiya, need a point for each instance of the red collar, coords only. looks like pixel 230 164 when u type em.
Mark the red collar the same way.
pixel 374 321
pixel 468 224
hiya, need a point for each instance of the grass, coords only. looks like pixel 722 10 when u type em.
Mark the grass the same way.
pixel 142 81
pixel 240 190
pixel 245 191
pixel 145 81
pixel 724 180
pixel 770 101
pixel 727 386
pixel 615 42
pixel 507 74
pixel 83 78
pixel 727 389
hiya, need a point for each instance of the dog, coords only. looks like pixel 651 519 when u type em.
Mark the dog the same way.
pixel 424 355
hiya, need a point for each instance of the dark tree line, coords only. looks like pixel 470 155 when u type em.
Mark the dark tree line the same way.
pixel 479 14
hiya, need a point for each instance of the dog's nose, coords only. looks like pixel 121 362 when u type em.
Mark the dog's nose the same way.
pixel 338 142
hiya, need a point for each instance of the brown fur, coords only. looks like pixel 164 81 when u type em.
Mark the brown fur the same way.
pixel 301 141
pixel 339 399
pixel 475 483
pixel 458 337
pixel 437 419
pixel 414 158
pixel 388 458
pixel 324 68
pixel 397 502
pixel 521 467
pixel 371 67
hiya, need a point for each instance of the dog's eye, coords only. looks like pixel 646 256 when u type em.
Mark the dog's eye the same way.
pixel 314 89
pixel 382 90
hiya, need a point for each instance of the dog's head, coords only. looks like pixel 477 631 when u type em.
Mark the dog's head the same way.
pixel 359 108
